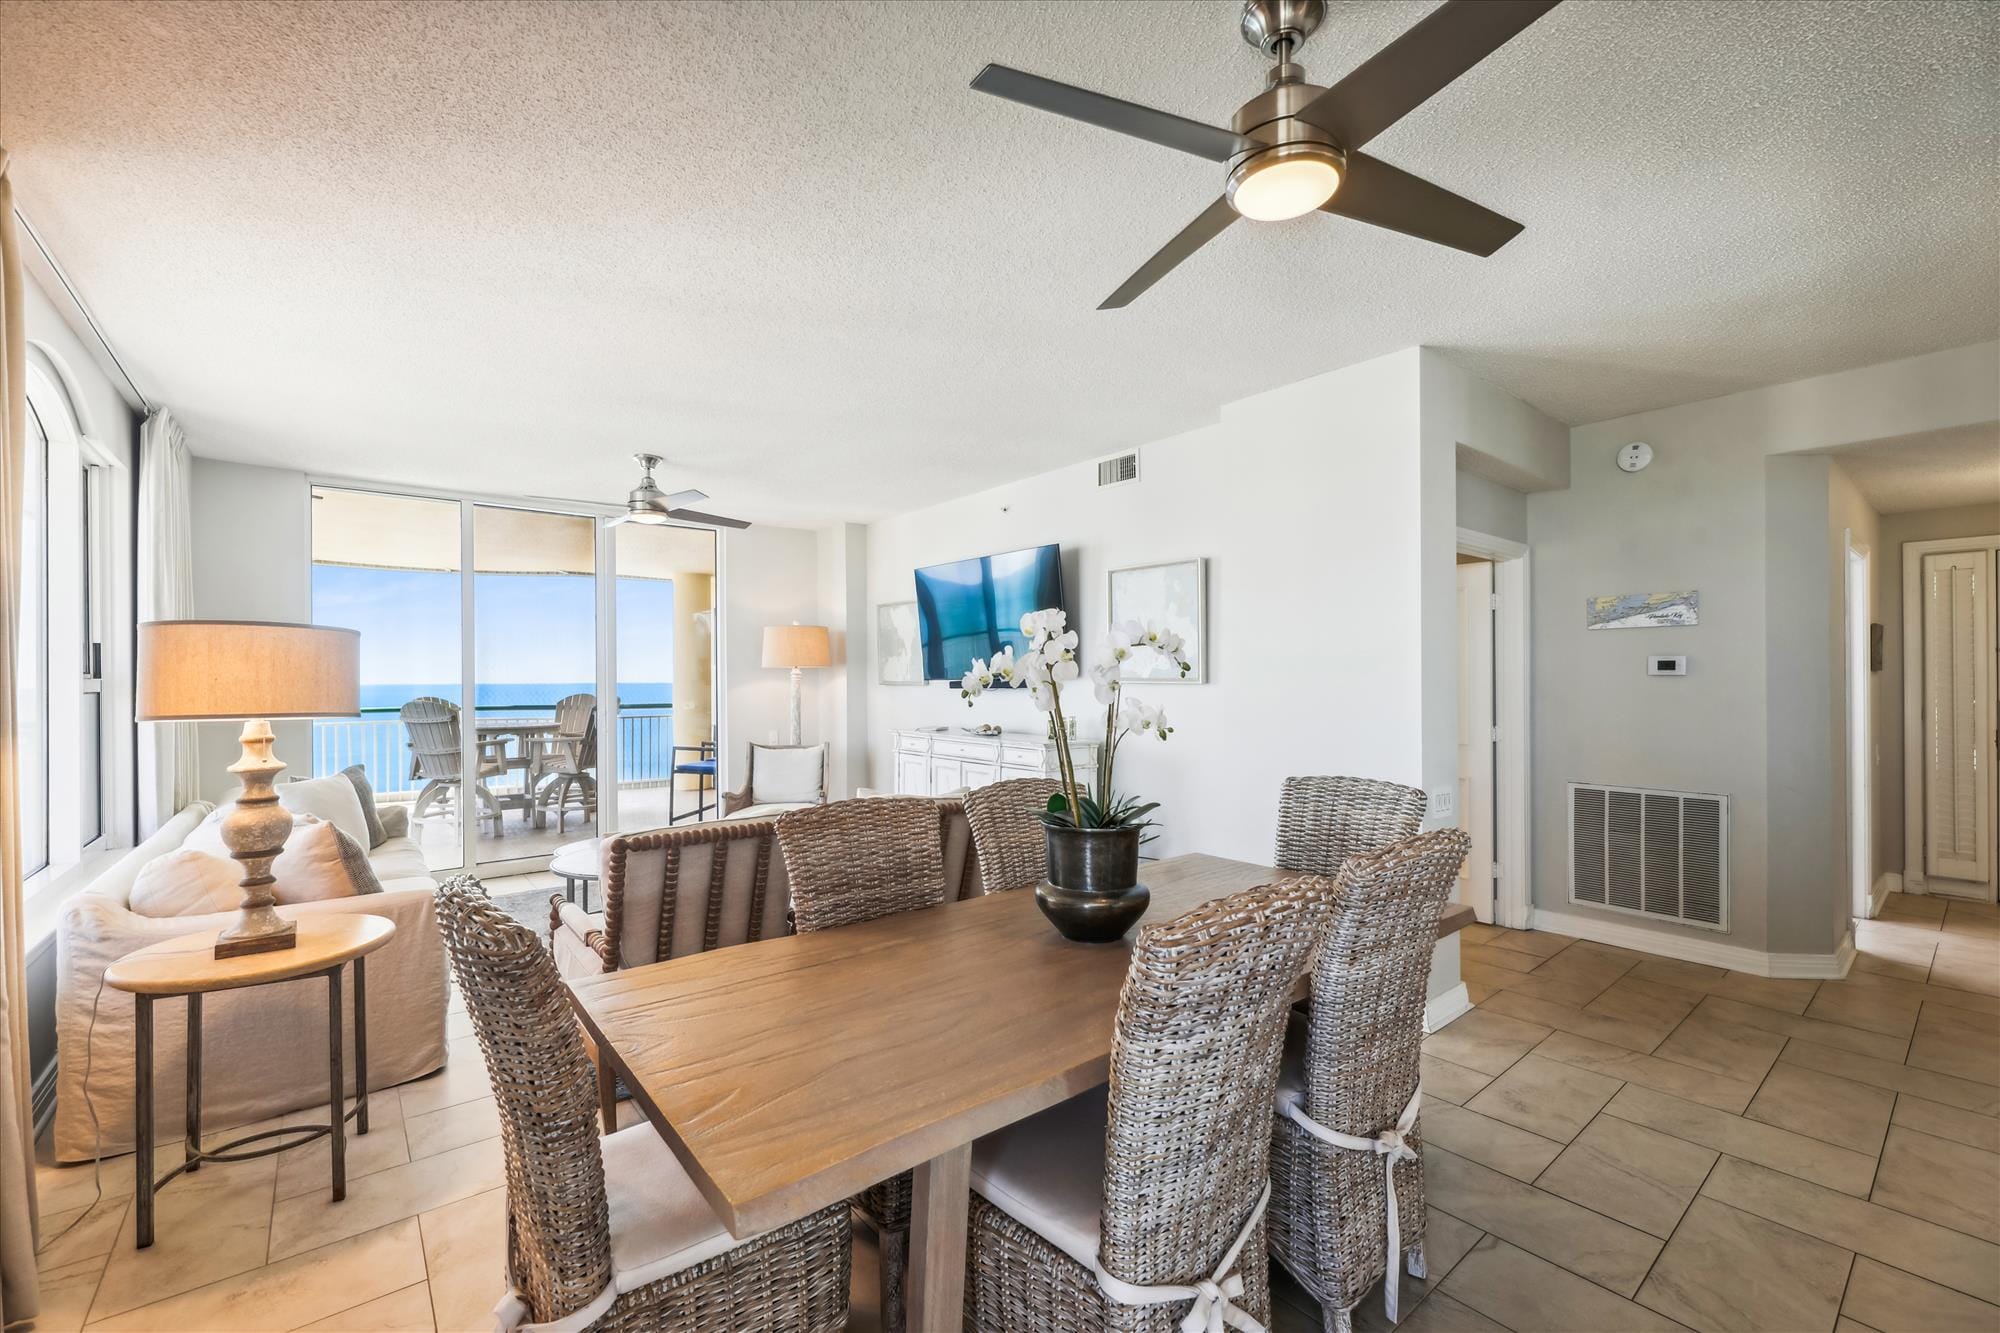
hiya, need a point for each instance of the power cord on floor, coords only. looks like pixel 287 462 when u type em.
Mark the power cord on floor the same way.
pixel 96 1129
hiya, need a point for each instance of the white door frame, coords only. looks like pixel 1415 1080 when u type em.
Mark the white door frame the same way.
pixel 1914 879
pixel 1860 739
pixel 1512 845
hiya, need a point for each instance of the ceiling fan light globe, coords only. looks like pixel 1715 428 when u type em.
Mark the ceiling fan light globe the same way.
pixel 1284 182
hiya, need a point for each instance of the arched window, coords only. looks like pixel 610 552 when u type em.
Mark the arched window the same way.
pixel 59 665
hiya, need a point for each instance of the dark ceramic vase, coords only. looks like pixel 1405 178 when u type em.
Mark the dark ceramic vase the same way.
pixel 1093 893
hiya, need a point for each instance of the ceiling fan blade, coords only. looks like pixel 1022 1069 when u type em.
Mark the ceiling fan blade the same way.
pixel 1196 234
pixel 679 498
pixel 1110 113
pixel 1372 191
pixel 1399 78
pixel 712 520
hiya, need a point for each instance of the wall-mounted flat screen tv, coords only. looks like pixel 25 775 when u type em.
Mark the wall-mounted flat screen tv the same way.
pixel 973 608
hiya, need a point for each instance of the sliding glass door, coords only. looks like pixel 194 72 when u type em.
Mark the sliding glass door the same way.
pixel 530 677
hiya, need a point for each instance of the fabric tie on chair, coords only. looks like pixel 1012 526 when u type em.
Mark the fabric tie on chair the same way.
pixel 511 1314
pixel 1214 1298
pixel 1393 1148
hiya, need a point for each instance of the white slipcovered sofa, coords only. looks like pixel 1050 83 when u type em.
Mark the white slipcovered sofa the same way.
pixel 264 1049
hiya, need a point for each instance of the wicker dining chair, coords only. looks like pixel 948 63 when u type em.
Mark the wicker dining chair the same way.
pixel 1007 831
pixel 611 1232
pixel 1351 1068
pixel 1323 821
pixel 855 861
pixel 1160 1180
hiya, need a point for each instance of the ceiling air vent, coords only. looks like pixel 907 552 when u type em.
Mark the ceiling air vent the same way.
pixel 1118 471
pixel 1660 854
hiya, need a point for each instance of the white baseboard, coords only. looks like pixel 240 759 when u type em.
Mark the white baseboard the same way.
pixel 1886 883
pixel 1715 953
pixel 1443 1008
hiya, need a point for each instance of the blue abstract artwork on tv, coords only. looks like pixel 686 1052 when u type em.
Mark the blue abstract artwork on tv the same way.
pixel 973 608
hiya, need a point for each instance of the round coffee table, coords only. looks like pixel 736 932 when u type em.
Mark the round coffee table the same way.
pixel 576 862
pixel 187 965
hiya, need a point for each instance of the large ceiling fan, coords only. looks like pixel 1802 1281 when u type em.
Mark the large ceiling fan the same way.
pixel 1296 147
pixel 648 504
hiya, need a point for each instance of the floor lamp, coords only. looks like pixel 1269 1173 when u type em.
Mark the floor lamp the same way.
pixel 249 671
pixel 798 647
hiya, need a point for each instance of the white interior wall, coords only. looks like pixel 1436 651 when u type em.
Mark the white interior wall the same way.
pixel 1704 516
pixel 1306 503
pixel 1488 507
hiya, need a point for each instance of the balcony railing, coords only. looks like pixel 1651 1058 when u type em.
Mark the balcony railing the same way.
pixel 378 741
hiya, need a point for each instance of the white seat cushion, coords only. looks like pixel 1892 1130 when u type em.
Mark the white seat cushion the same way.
pixel 660 1224
pixel 1292 1067
pixel 1047 1173
pixel 399 864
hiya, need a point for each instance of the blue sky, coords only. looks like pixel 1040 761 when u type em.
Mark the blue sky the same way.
pixel 531 628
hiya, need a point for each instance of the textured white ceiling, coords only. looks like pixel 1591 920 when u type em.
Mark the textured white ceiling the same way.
pixel 503 245
pixel 1935 470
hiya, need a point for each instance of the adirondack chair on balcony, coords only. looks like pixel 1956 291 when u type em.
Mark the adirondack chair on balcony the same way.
pixel 434 750
pixel 565 763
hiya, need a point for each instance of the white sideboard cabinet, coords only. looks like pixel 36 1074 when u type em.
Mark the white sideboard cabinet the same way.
pixel 937 763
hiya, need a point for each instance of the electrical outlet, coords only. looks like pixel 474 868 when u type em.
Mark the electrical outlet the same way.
pixel 1444 803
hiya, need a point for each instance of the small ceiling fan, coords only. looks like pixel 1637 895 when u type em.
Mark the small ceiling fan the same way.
pixel 1296 147
pixel 647 504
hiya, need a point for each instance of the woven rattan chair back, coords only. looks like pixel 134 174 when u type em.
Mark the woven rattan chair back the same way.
pixel 1323 821
pixel 1007 830
pixel 1194 1069
pixel 678 891
pixel 558 1224
pixel 433 727
pixel 1365 1035
pixel 854 861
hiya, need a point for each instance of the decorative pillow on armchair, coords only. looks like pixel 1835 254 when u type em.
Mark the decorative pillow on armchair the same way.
pixel 788 775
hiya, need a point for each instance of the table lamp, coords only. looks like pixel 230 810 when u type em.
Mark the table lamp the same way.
pixel 797 646
pixel 229 670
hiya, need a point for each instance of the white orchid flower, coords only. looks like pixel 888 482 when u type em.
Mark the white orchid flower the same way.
pixel 1125 634
pixel 1065 670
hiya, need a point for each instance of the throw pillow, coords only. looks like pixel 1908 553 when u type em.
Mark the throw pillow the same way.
pixel 787 775
pixel 333 799
pixel 364 791
pixel 320 861
pixel 186 883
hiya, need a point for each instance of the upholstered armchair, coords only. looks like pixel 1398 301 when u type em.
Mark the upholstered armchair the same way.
pixel 777 778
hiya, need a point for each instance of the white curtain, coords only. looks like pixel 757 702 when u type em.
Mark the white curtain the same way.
pixel 19 1298
pixel 167 759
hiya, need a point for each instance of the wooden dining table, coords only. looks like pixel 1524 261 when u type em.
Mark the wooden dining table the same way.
pixel 794 1072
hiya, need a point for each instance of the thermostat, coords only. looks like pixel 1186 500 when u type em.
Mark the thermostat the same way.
pixel 1666 666
pixel 1634 456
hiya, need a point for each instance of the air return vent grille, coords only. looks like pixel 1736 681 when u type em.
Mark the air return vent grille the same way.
pixel 1118 471
pixel 1653 853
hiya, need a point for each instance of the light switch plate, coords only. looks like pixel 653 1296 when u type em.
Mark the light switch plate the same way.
pixel 1444 803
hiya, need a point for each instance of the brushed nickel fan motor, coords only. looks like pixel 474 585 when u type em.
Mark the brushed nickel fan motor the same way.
pixel 1280 27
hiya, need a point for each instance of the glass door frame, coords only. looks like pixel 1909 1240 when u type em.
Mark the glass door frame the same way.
pixel 606 647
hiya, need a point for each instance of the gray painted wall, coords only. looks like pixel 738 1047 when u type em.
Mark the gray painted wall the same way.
pixel 252 561
pixel 1694 519
pixel 1488 507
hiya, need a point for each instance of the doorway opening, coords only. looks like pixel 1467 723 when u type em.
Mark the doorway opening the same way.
pixel 1493 727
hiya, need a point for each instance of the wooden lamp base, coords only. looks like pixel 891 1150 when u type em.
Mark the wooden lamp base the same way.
pixel 255 830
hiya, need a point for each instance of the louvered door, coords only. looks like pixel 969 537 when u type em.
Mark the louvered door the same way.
pixel 1957 741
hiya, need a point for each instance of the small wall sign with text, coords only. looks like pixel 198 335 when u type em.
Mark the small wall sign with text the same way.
pixel 1643 610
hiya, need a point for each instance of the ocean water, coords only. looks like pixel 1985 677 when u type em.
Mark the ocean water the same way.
pixel 379 742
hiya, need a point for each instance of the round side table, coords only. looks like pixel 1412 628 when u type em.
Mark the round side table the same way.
pixel 576 862
pixel 187 966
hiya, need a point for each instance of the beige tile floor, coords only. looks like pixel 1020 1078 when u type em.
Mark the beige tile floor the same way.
pixel 1614 1142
